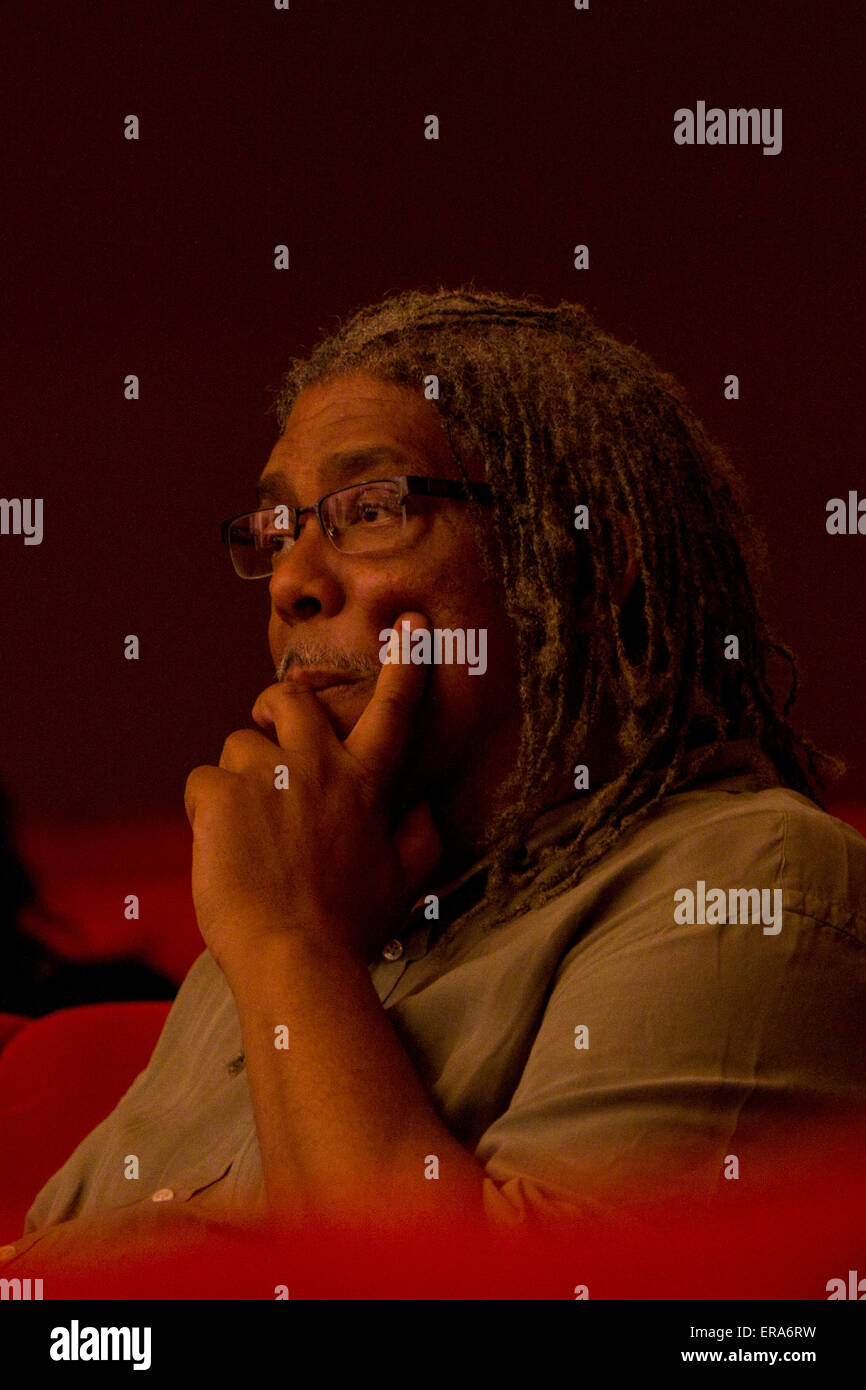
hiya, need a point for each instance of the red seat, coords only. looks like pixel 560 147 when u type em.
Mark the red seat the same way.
pixel 59 1077
pixel 86 871
pixel 9 1025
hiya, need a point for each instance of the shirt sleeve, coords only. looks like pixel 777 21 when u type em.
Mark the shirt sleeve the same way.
pixel 666 1050
pixel 88 1180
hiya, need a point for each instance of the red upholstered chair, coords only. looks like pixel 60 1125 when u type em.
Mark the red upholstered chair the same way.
pixel 9 1025
pixel 59 1076
pixel 86 871
pixel 63 1073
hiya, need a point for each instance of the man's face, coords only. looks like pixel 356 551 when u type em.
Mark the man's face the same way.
pixel 327 605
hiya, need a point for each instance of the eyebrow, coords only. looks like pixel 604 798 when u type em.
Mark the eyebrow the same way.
pixel 340 467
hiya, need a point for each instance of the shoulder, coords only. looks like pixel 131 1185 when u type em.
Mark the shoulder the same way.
pixel 768 839
pixel 717 904
pixel 756 992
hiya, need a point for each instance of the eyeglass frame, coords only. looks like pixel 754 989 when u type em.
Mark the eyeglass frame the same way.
pixel 411 485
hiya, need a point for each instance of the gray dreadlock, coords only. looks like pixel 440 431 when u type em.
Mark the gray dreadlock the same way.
pixel 563 415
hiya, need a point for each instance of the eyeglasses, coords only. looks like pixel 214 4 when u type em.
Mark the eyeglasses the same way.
pixel 363 519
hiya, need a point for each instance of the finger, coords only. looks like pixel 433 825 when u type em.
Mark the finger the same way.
pixel 296 720
pixel 201 784
pixel 246 748
pixel 381 736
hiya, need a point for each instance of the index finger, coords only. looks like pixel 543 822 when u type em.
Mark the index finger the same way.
pixel 296 720
pixel 381 736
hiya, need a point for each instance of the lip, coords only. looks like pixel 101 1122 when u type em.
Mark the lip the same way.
pixel 318 677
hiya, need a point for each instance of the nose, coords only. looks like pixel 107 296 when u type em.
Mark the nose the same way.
pixel 305 579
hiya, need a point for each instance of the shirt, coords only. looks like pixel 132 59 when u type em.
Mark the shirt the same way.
pixel 572 1048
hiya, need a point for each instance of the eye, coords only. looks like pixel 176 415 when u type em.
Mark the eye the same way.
pixel 270 536
pixel 374 506
pixel 274 545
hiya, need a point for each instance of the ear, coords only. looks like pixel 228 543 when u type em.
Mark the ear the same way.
pixel 628 577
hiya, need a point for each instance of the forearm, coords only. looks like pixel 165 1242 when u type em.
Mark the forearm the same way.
pixel 344 1122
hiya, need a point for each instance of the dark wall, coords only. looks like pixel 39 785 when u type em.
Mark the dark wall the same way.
pixel 305 126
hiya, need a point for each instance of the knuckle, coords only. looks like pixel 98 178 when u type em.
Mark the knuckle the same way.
pixel 239 742
pixel 194 783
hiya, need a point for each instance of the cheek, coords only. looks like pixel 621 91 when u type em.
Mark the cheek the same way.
pixel 379 599
pixel 452 598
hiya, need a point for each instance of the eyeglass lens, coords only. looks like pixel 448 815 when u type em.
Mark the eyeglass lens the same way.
pixel 367 517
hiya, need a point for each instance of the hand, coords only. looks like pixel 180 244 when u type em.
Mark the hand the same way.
pixel 321 856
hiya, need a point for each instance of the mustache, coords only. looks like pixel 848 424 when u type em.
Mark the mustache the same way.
pixel 310 654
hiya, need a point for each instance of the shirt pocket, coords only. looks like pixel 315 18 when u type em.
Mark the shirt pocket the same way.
pixel 116 1226
pixel 192 1182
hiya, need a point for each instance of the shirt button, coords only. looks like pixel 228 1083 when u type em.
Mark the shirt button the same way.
pixel 6 1252
pixel 164 1194
pixel 393 950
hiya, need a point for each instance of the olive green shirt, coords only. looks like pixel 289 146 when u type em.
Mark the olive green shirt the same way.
pixel 572 1048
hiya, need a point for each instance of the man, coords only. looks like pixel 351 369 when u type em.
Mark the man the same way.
pixel 515 940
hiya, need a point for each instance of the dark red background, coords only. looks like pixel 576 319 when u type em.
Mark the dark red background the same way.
pixel 306 127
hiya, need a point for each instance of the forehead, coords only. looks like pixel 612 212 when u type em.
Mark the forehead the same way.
pixel 339 430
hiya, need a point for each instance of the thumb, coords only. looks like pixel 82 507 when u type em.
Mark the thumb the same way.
pixel 418 846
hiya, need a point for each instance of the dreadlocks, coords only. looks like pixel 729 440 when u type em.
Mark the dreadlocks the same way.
pixel 564 415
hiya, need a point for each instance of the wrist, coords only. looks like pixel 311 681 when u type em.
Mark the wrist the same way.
pixel 285 955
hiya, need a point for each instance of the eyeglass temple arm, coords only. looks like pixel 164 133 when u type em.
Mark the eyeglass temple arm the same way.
pixel 440 487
